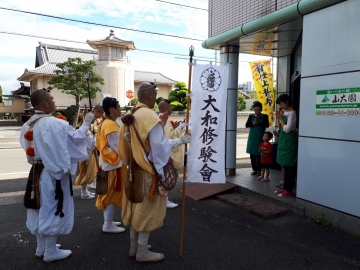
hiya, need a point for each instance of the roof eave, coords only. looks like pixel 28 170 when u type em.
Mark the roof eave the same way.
pixel 284 15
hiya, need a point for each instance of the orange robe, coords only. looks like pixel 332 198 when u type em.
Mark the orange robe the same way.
pixel 110 156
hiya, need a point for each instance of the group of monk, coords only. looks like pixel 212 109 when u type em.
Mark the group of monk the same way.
pixel 58 148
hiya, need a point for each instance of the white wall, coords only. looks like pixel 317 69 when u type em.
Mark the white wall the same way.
pixel 329 146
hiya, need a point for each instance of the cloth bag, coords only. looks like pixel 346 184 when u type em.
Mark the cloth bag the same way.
pixel 170 173
pixel 101 178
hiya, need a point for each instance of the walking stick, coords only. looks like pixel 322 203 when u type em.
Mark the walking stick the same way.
pixel 191 54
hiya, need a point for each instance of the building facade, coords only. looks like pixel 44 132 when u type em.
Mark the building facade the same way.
pixel 112 64
pixel 318 66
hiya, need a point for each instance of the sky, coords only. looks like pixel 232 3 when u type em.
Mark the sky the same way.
pixel 18 52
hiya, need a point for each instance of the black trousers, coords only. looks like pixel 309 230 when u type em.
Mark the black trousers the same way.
pixel 255 163
pixel 290 174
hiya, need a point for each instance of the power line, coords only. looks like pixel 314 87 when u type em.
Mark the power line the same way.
pixel 98 24
pixel 181 5
pixel 81 42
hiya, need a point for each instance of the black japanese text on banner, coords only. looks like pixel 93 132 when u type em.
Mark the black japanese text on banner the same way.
pixel 206 160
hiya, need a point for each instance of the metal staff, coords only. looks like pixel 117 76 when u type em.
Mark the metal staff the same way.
pixel 87 77
pixel 191 54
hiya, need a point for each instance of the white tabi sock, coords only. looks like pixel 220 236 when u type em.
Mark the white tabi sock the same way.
pixel 142 253
pixel 83 188
pixel 143 238
pixel 108 220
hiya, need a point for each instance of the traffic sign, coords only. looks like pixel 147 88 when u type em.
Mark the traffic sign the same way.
pixel 130 94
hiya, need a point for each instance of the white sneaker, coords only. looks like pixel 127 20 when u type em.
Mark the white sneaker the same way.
pixel 87 196
pixel 170 204
pixel 117 223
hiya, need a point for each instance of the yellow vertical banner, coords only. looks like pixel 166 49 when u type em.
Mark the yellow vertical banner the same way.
pixel 263 43
pixel 264 86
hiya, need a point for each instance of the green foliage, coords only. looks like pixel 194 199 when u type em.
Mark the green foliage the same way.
pixel 176 106
pixel 56 113
pixel 159 99
pixel 182 94
pixel 173 93
pixel 253 94
pixel 134 101
pixel 178 94
pixel 70 114
pixel 12 115
pixel 156 107
pixel 358 234
pixel 1 115
pixel 321 220
pixel 181 86
pixel 172 99
pixel 70 78
pixel 1 101
pixel 241 103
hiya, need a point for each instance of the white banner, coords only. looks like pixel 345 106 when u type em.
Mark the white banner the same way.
pixel 206 157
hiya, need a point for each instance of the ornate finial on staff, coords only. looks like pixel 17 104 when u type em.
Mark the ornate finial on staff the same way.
pixel 191 53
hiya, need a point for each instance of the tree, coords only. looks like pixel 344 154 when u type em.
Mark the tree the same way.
pixel 1 95
pixel 135 101
pixel 70 79
pixel 159 99
pixel 178 97
pixel 253 94
pixel 241 103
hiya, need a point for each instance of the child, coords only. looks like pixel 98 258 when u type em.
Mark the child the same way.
pixel 266 158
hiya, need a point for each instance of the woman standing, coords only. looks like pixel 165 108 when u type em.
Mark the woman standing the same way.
pixel 287 144
pixel 257 123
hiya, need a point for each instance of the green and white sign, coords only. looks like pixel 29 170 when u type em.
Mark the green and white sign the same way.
pixel 344 101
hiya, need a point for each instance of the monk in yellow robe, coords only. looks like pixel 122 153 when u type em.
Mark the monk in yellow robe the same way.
pixel 172 130
pixel 88 168
pixel 107 139
pixel 148 215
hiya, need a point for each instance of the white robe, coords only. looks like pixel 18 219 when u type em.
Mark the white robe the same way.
pixel 60 147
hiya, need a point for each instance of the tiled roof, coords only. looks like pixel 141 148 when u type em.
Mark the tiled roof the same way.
pixel 111 39
pixel 49 55
pixel 47 68
pixel 147 76
pixel 140 76
pixel 54 53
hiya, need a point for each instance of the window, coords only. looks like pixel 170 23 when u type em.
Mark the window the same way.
pixel 115 52
pixel 8 102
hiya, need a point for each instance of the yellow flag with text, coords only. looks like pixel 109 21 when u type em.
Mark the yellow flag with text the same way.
pixel 264 87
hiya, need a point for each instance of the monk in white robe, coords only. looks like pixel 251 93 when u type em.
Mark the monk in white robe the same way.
pixel 59 147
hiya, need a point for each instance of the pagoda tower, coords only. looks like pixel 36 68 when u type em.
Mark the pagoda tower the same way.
pixel 113 66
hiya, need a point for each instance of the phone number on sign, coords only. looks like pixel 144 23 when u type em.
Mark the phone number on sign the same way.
pixel 338 112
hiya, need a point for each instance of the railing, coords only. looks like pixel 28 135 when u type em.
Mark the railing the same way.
pixel 110 58
pixel 61 104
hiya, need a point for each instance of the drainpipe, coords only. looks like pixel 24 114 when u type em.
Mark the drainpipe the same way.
pixel 280 16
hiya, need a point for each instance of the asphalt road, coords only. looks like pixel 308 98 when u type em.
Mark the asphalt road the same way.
pixel 217 236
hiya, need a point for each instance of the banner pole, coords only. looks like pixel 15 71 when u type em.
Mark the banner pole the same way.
pixel 182 228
